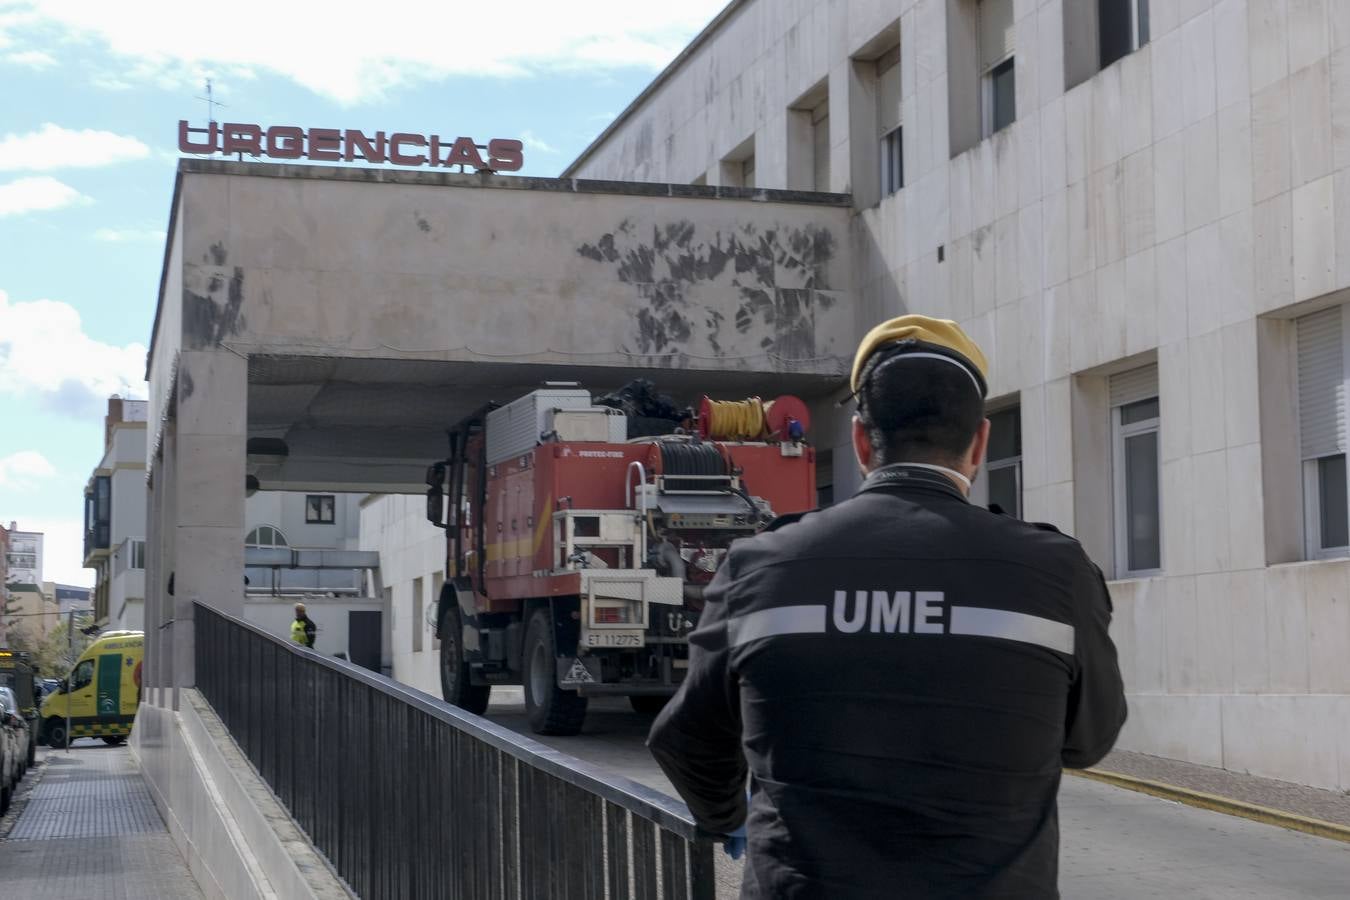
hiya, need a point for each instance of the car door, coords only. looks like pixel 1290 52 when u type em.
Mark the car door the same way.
pixel 9 734
pixel 81 691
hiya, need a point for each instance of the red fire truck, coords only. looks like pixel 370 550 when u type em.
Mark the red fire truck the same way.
pixel 577 554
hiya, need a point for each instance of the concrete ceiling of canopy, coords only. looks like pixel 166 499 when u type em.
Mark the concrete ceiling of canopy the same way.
pixel 362 424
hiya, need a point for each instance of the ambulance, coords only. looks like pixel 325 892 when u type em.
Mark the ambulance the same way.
pixel 100 695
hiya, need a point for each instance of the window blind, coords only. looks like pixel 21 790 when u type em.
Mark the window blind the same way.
pixel 1321 385
pixel 996 32
pixel 1135 385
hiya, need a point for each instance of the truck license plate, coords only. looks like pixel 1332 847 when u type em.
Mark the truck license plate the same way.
pixel 603 639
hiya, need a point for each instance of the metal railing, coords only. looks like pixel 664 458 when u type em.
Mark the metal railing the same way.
pixel 409 797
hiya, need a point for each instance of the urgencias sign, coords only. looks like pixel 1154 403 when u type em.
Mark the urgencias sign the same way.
pixel 348 145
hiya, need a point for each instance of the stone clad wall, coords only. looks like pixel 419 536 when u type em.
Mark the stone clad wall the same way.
pixel 1177 207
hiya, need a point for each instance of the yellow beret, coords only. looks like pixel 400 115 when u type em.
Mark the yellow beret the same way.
pixel 941 336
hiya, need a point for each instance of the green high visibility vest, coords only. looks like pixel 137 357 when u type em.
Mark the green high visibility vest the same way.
pixel 298 633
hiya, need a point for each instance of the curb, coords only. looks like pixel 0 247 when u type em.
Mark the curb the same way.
pixel 29 784
pixel 1215 803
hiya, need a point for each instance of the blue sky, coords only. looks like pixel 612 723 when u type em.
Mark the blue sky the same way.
pixel 90 97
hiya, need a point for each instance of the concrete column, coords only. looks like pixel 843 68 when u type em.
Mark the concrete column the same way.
pixel 154 581
pixel 208 508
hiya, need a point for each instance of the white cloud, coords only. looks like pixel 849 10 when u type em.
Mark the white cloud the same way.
pixel 357 58
pixel 31 59
pixel 45 354
pixel 537 144
pixel 21 471
pixel 53 147
pixel 38 194
pixel 129 235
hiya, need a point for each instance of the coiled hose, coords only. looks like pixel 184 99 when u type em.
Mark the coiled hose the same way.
pixel 736 420
pixel 681 458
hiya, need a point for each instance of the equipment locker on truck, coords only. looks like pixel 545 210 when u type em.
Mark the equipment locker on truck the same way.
pixel 577 552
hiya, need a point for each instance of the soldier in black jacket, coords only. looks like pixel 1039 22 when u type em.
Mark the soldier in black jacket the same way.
pixel 903 675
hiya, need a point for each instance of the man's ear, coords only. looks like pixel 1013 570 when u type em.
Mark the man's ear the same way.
pixel 862 447
pixel 975 456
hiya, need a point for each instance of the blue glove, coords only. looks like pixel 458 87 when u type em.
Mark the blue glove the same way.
pixel 734 845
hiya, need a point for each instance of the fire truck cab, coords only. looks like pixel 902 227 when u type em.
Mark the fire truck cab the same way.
pixel 577 554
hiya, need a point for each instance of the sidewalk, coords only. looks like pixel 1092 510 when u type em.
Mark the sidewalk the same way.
pixel 89 829
pixel 1262 793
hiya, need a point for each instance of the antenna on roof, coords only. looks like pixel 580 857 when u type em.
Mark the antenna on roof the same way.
pixel 211 103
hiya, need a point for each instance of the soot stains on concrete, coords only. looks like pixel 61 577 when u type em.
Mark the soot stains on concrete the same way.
pixel 211 318
pixel 778 278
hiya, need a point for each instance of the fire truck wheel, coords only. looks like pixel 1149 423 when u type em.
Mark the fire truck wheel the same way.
pixel 456 687
pixel 550 709
pixel 647 704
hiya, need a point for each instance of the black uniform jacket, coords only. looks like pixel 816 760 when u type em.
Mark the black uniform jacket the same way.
pixel 902 676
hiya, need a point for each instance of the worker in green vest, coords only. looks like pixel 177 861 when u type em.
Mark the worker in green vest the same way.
pixel 303 628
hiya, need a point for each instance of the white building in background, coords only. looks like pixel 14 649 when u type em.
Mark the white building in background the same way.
pixel 24 556
pixel 114 518
pixel 412 566
pixel 343 602
pixel 1141 211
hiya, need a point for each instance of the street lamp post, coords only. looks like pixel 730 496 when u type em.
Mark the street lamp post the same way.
pixel 70 664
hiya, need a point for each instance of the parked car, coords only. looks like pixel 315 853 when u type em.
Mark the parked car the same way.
pixel 14 738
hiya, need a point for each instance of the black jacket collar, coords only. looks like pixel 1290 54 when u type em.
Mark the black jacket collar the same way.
pixel 905 477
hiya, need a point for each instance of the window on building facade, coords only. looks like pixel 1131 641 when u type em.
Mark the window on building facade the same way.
pixel 891 154
pixel 320 509
pixel 820 147
pixel 265 536
pixel 997 70
pixel 1136 471
pixel 1122 28
pixel 433 603
pixel 1322 433
pixel 1003 460
pixel 418 626
pixel 137 555
pixel 738 166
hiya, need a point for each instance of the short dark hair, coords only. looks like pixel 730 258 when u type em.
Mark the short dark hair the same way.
pixel 918 410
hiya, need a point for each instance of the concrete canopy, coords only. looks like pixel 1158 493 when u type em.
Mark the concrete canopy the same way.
pixel 375 425
pixel 375 308
pixel 350 316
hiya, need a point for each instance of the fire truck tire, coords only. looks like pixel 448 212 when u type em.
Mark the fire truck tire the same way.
pixel 550 709
pixel 456 687
pixel 647 704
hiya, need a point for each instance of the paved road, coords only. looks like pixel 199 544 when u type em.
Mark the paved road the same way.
pixel 1114 843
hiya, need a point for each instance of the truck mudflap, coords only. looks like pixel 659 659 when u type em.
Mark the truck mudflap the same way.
pixel 578 672
pixel 584 675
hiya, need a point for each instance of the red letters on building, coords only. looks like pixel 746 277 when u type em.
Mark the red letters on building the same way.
pixel 324 143
pixel 399 158
pixel 285 142
pixel 334 145
pixel 241 139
